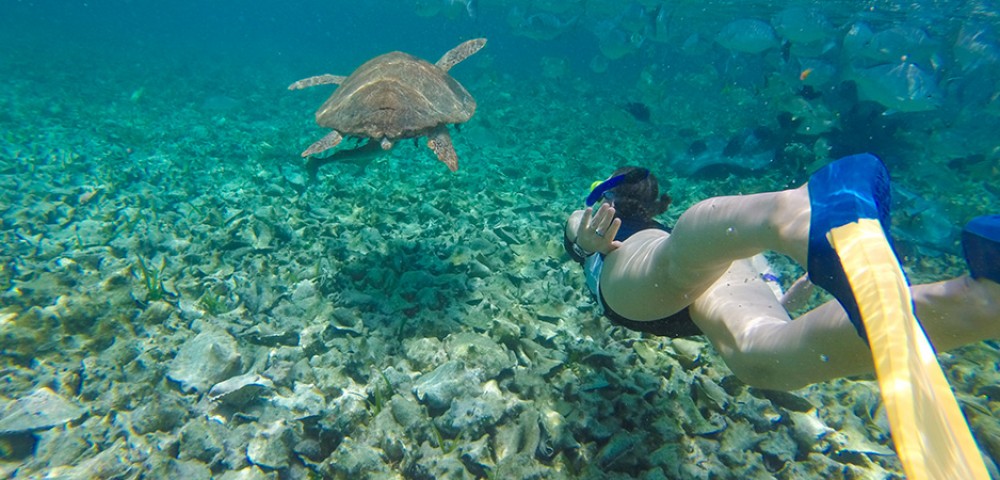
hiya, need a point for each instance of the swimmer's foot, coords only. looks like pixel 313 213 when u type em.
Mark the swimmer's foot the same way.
pixel 844 192
pixel 981 247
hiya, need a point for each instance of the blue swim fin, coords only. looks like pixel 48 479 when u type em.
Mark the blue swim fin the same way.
pixel 843 192
pixel 981 247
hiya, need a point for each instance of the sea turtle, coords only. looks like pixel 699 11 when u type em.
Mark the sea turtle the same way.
pixel 394 96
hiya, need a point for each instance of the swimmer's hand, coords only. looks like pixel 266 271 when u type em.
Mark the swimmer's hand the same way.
pixel 597 233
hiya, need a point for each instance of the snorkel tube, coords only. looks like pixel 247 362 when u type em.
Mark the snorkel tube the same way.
pixel 599 189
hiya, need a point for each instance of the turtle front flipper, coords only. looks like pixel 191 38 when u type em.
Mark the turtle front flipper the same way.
pixel 329 141
pixel 440 142
pixel 460 53
pixel 326 79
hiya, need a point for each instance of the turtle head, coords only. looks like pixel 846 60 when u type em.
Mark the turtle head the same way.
pixel 386 143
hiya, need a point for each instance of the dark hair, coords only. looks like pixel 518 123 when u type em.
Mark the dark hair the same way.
pixel 641 199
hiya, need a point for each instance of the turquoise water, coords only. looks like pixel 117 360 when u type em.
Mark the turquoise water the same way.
pixel 161 236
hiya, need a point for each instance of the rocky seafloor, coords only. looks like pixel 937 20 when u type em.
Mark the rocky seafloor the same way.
pixel 179 300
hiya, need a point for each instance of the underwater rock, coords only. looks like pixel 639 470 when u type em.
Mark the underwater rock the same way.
pixel 478 270
pixel 648 354
pixel 347 320
pixel 116 461
pixel 347 413
pixel 295 178
pixel 471 416
pixel 523 465
pixel 155 313
pixel 305 295
pixel 433 463
pixel 266 336
pixel 202 439
pixel 354 459
pixel 239 390
pixel 407 413
pixel 306 401
pixel 186 469
pixel 556 434
pixel 162 414
pixel 852 441
pixel 782 399
pixel 520 436
pixel 808 429
pixel 713 392
pixel 222 444
pixel 478 458
pixel 779 448
pixel 247 473
pixel 541 360
pixel 189 310
pixel 312 339
pixel 987 432
pixel 480 351
pixel 42 409
pixel 687 413
pixel 271 447
pixel 309 449
pixel 449 381
pixel 617 447
pixel 204 361
pixel 687 352
pixel 61 446
pixel 761 413
pixel 393 439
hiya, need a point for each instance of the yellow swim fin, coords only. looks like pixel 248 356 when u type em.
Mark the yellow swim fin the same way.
pixel 931 435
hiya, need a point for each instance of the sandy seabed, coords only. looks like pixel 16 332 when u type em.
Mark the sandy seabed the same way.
pixel 180 299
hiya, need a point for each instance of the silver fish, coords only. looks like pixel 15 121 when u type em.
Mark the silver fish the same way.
pixel 539 26
pixel 902 87
pixel 471 6
pixel 747 35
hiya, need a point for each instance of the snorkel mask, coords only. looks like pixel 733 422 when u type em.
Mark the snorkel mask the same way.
pixel 600 189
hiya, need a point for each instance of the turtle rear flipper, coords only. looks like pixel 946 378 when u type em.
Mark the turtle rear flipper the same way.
pixel 460 53
pixel 440 142
pixel 329 141
pixel 325 79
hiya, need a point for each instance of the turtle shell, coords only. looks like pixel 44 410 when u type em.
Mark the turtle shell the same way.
pixel 395 95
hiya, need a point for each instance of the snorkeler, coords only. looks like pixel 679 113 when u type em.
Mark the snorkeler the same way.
pixel 837 225
pixel 701 278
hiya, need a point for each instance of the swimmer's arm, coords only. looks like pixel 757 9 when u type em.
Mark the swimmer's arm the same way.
pixel 572 224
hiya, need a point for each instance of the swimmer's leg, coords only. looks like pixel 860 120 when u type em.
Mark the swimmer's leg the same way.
pixel 764 348
pixel 653 275
pixel 966 309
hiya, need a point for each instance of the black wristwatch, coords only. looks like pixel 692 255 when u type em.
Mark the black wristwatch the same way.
pixel 577 253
